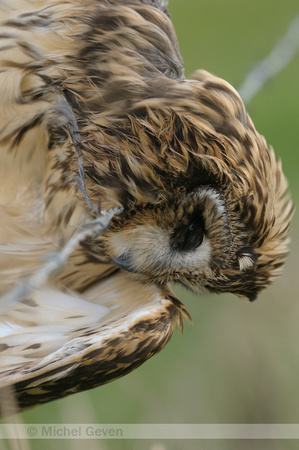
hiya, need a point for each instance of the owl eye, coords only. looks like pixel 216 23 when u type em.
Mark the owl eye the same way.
pixel 188 238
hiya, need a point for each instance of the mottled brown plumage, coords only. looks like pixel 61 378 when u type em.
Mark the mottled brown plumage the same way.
pixel 95 106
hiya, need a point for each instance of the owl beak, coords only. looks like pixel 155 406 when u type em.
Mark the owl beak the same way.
pixel 124 263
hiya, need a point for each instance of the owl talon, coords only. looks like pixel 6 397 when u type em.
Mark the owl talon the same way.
pixel 123 262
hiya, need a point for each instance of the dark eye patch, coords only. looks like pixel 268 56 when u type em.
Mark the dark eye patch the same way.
pixel 189 236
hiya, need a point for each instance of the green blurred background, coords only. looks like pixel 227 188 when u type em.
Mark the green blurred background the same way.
pixel 238 362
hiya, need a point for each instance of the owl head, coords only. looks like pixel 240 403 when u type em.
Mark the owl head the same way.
pixel 204 197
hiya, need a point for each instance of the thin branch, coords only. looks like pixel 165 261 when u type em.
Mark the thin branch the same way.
pixel 66 110
pixel 280 56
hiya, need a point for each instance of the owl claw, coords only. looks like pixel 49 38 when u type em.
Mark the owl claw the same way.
pixel 123 262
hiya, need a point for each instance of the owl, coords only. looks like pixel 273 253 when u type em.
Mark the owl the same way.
pixel 95 109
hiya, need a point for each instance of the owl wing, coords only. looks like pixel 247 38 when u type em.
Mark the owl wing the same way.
pixel 54 344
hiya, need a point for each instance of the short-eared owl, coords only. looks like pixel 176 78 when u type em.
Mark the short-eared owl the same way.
pixel 95 107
